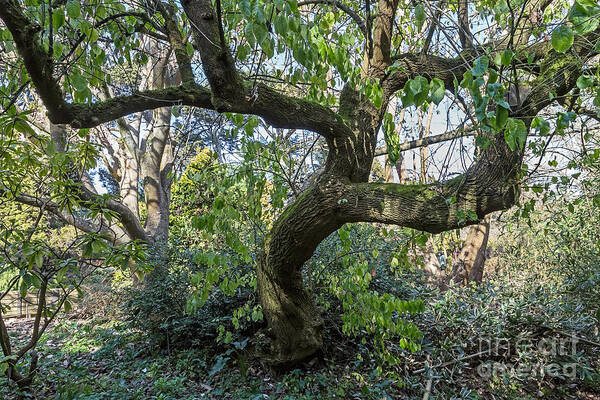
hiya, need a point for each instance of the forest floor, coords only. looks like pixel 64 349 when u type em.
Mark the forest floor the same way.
pixel 104 359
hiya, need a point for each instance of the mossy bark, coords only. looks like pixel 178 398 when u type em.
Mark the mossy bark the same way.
pixel 291 313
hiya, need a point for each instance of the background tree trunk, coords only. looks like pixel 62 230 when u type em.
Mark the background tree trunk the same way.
pixel 472 257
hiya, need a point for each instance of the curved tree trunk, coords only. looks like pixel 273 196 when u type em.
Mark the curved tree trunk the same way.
pixel 289 309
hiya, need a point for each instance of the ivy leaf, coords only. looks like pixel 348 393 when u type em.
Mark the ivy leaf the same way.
pixel 562 38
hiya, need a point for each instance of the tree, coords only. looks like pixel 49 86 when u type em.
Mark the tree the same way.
pixel 421 66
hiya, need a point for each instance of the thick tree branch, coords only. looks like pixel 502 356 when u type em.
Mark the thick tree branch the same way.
pixel 425 207
pixel 231 93
pixel 447 69
pixel 177 43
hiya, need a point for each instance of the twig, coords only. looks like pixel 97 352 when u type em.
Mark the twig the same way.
pixel 419 371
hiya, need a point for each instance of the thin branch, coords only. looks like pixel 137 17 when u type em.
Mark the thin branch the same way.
pixel 338 4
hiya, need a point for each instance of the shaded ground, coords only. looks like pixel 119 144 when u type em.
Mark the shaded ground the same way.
pixel 101 359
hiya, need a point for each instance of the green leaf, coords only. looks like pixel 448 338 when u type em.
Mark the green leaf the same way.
pixel 23 127
pixel 58 18
pixel 438 90
pixel 585 81
pixel 73 9
pixel 584 16
pixel 515 133
pixel 39 259
pixel 67 305
pixel 377 99
pixel 541 125
pixel 480 66
pixel 419 16
pixel 501 117
pixel 78 82
pixel 281 24
pixel 260 33
pixel 245 8
pixel 24 286
pixel 268 47
pixel 471 214
pixel 506 57
pixel 562 38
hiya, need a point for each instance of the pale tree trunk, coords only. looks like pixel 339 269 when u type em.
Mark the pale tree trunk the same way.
pixel 431 263
pixel 157 154
pixel 128 185
pixel 402 177
pixel 389 172
pixel 471 260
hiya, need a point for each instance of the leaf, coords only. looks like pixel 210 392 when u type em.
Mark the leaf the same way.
pixel 58 18
pixel 219 365
pixel 78 82
pixel 419 16
pixel 245 7
pixel 515 133
pixel 260 33
pixel 268 47
pixel 23 127
pixel 480 66
pixel 39 259
pixel 541 125
pixel 438 90
pixel 68 306
pixel 562 38
pixel 585 81
pixel 583 16
pixel 73 9
pixel 471 214
pixel 501 117
pixel 506 57
pixel 24 286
